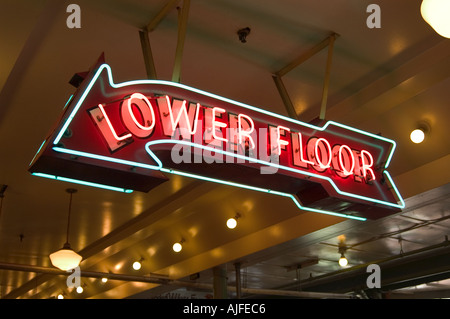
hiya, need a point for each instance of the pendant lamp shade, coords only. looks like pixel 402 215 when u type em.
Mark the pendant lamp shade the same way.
pixel 436 14
pixel 65 258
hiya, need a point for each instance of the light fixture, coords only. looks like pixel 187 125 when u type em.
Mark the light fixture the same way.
pixel 138 264
pixel 104 279
pixel 232 222
pixel 60 296
pixel 435 13
pixel 177 247
pixel 65 258
pixel 80 289
pixel 343 261
pixel 418 135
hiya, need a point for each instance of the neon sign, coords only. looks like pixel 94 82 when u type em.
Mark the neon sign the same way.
pixel 134 135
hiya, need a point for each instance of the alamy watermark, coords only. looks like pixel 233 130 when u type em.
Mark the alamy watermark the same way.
pixel 373 21
pixel 73 21
pixel 374 279
pixel 74 279
pixel 232 148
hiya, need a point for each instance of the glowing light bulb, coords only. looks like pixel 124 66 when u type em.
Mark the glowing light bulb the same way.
pixel 417 136
pixel 343 261
pixel 435 13
pixel 104 279
pixel 231 223
pixel 60 296
pixel 137 265
pixel 177 247
pixel 80 289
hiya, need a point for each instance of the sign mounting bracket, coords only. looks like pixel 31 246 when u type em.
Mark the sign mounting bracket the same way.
pixel 327 42
pixel 151 26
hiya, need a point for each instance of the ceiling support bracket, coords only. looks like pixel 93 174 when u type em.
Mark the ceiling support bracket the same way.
pixel 327 42
pixel 182 26
pixel 161 15
pixel 145 40
pixel 326 83
pixel 285 96
pixel 148 55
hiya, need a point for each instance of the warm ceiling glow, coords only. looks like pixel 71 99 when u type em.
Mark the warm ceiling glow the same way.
pixel 231 223
pixel 436 14
pixel 118 266
pixel 417 136
pixel 65 259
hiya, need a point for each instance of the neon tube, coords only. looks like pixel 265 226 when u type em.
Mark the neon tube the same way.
pixel 287 168
pixel 341 162
pixel 77 181
pixel 249 107
pixel 175 172
pixel 113 131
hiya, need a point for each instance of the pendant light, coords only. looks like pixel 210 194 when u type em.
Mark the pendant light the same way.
pixel 232 222
pixel 435 13
pixel 418 135
pixel 177 247
pixel 343 261
pixel 65 258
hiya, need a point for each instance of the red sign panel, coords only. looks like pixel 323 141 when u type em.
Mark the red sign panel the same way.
pixel 135 134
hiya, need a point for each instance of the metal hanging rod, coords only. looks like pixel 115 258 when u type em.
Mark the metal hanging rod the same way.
pixel 327 42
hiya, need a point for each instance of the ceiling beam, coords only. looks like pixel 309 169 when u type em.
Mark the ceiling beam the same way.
pixel 396 87
pixel 163 281
pixel 132 226
pixel 397 271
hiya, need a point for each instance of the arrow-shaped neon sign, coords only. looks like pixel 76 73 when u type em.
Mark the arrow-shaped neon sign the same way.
pixel 132 135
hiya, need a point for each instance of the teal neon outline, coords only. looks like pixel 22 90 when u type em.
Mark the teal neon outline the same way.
pixel 246 106
pixel 258 161
pixel 81 182
pixel 209 179
pixel 39 149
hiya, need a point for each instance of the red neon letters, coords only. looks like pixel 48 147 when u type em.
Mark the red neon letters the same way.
pixel 227 131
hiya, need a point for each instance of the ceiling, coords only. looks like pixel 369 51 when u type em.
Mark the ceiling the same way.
pixel 382 80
